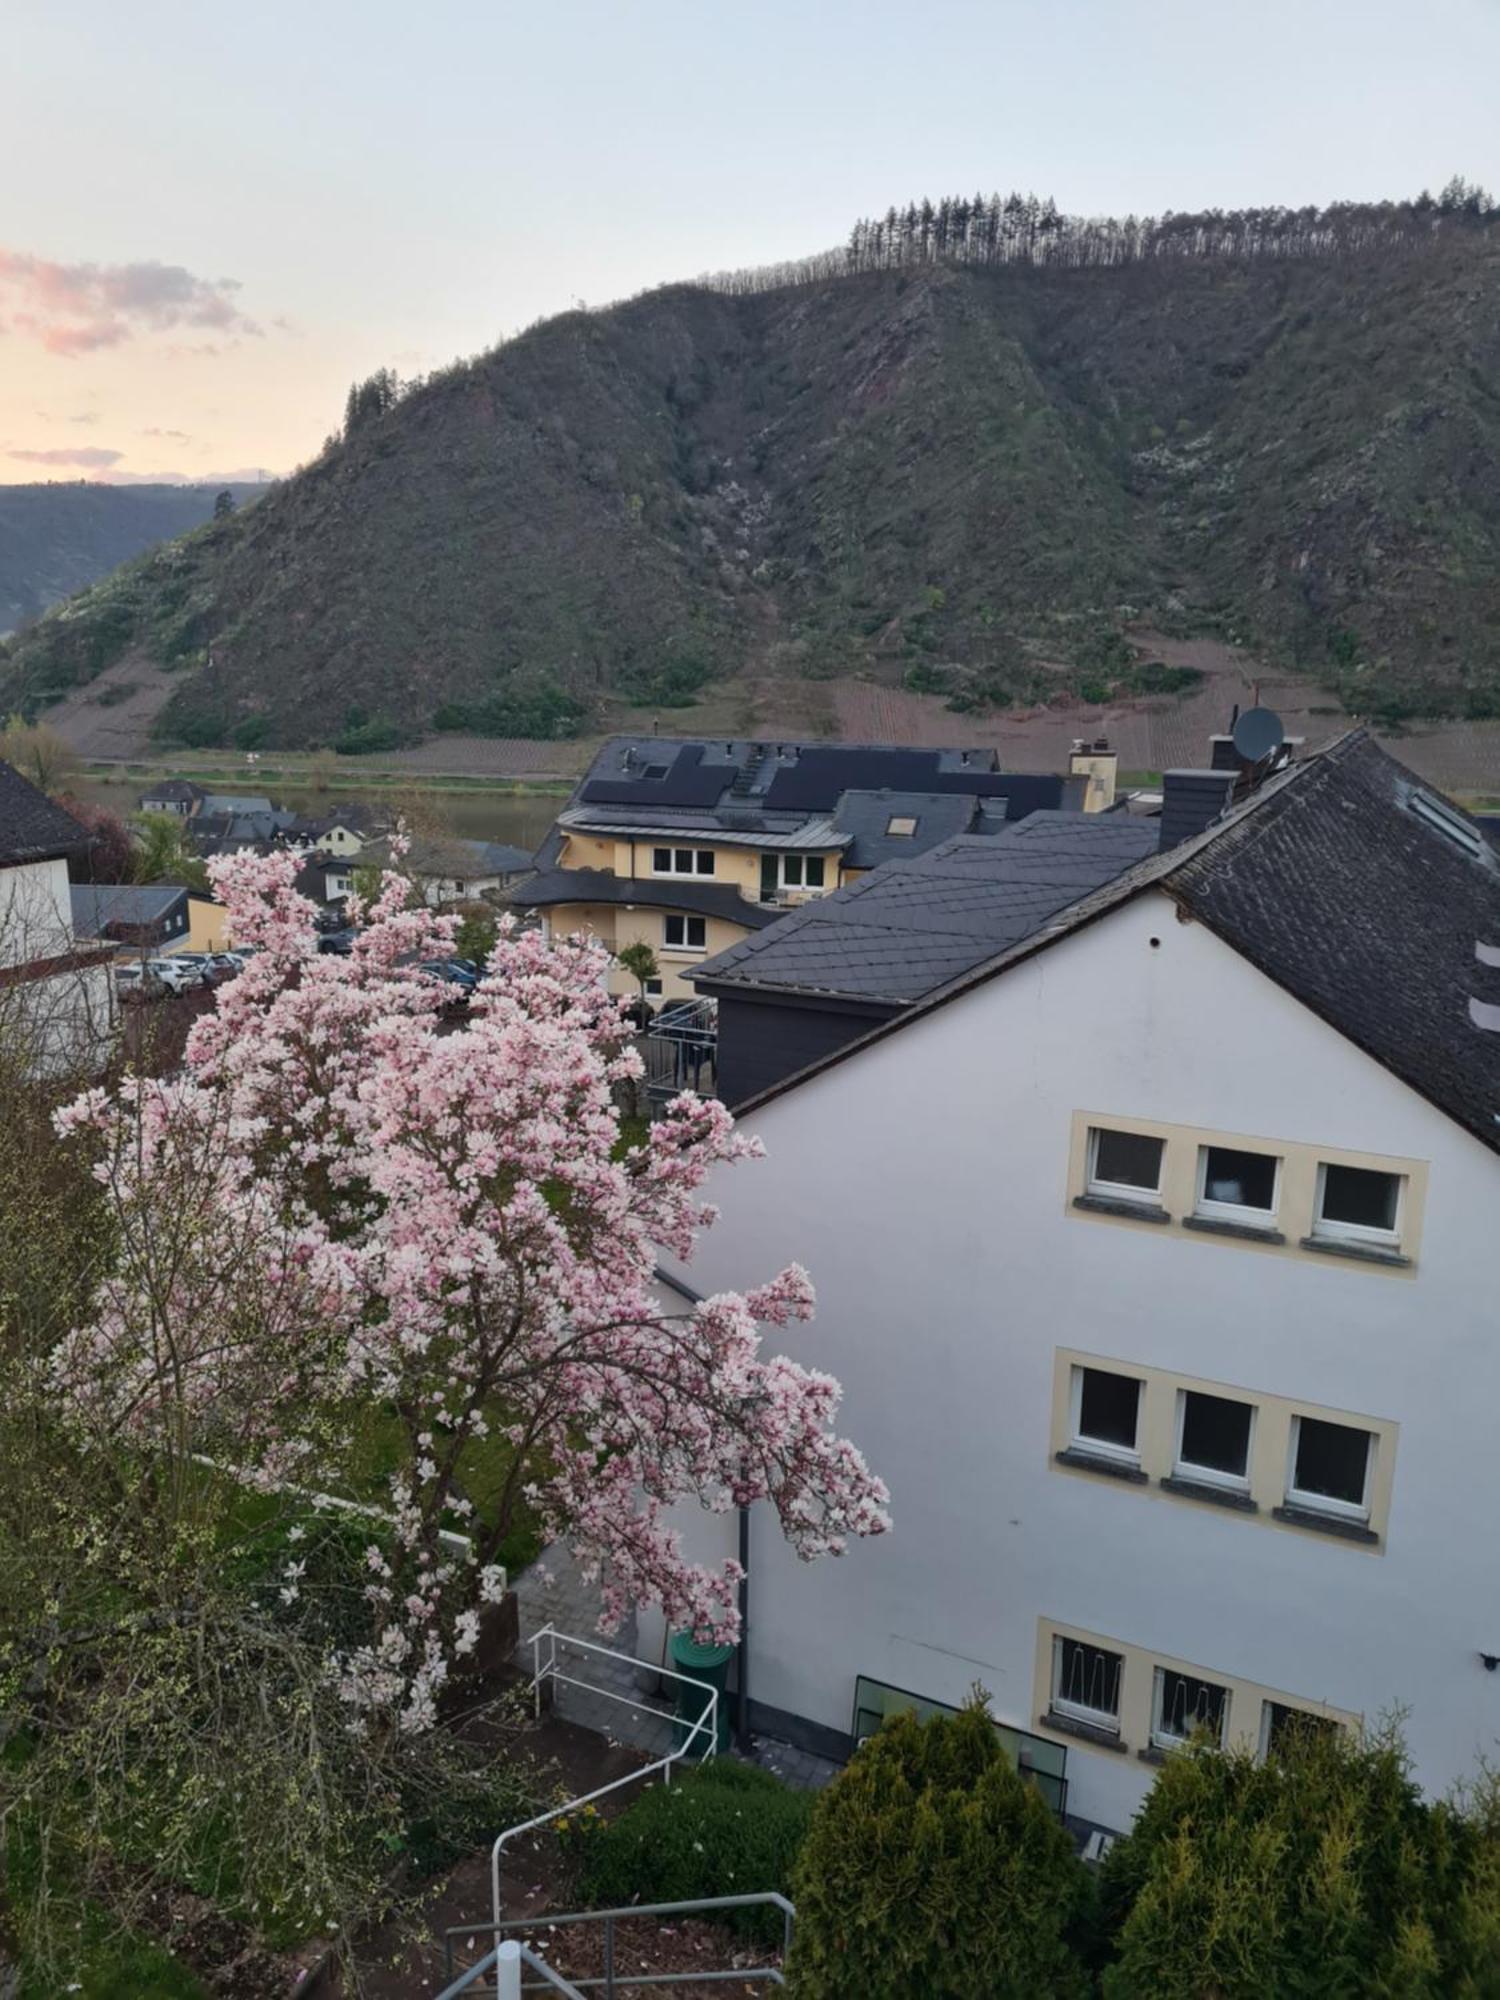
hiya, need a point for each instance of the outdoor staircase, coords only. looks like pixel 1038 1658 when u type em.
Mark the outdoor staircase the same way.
pixel 505 1969
pixel 611 1680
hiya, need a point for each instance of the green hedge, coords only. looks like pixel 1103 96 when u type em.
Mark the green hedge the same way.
pixel 1321 1874
pixel 932 1868
pixel 724 1829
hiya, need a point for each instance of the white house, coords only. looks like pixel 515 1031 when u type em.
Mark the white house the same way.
pixel 1156 1258
pixel 56 992
pixel 452 870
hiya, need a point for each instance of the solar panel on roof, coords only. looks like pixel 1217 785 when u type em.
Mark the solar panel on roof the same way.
pixel 687 781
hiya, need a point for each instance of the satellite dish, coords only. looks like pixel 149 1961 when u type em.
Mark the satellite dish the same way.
pixel 1257 733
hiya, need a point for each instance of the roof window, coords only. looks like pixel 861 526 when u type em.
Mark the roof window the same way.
pixel 1449 822
pixel 901 823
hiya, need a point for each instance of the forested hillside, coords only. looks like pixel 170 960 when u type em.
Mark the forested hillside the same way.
pixel 58 537
pixel 969 450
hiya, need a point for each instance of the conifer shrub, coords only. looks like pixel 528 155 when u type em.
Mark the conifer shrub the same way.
pixel 1320 1874
pixel 932 1867
pixel 723 1829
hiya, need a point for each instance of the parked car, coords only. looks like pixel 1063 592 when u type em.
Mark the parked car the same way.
pixel 175 976
pixel 456 973
pixel 227 963
pixel 338 943
pixel 200 962
pixel 134 981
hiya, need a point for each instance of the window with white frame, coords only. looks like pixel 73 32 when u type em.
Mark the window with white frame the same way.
pixel 1358 1205
pixel 653 989
pixel 1237 1186
pixel 1125 1166
pixel 1281 1722
pixel 1183 1706
pixel 1086 1682
pixel 1330 1468
pixel 682 861
pixel 685 933
pixel 802 871
pixel 1213 1439
pixel 1106 1414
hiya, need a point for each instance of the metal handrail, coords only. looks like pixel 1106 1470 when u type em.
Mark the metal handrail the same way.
pixel 709 1719
pixel 509 1958
pixel 610 1980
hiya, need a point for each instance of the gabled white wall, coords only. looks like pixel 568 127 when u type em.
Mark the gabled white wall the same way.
pixel 36 914
pixel 924 1184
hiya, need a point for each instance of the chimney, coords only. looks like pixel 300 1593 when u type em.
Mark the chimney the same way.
pixel 1099 766
pixel 1190 802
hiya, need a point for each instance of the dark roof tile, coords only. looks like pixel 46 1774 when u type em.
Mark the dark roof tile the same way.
pixel 32 828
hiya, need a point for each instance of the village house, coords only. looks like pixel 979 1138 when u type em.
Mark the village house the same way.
pixel 1152 1252
pixel 56 995
pixel 692 846
pixel 151 916
pixel 452 870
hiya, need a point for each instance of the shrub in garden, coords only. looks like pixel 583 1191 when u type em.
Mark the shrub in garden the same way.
pixel 724 1829
pixel 1321 1874
pixel 931 1867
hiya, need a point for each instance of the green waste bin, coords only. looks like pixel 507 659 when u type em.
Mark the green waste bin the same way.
pixel 703 1663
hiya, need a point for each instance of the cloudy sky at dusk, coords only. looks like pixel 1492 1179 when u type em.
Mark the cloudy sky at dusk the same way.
pixel 214 219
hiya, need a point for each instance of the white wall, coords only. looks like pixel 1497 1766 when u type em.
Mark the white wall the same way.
pixel 65 1020
pixel 36 913
pixel 924 1184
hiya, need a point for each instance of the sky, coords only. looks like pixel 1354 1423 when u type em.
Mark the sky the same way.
pixel 213 219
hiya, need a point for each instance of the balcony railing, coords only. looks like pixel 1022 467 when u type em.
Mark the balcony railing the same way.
pixel 1041 1763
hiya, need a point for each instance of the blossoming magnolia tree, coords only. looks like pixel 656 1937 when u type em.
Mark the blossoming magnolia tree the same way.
pixel 343 1205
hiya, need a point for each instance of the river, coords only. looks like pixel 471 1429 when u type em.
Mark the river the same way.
pixel 519 819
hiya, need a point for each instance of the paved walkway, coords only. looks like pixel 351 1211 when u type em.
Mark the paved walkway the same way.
pixel 553 1592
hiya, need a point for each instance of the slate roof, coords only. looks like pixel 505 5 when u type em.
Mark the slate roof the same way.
pixel 97 905
pixel 1369 916
pixel 554 888
pixel 795 795
pixel 32 828
pixel 809 777
pixel 238 803
pixel 865 816
pixel 181 791
pixel 449 856
pixel 1328 882
pixel 911 926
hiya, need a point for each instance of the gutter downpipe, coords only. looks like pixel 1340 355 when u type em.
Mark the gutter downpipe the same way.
pixel 742 1690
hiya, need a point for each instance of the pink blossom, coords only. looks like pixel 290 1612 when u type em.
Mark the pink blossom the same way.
pixel 336 1204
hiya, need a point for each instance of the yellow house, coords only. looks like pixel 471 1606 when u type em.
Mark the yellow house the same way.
pixel 208 925
pixel 688 846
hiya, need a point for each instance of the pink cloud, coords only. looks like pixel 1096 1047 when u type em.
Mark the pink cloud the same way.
pixel 73 309
pixel 91 457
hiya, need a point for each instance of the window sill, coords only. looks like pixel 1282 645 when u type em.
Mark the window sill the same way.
pixel 1203 1489
pixel 1326 1524
pixel 684 951
pixel 1245 1232
pixel 1112 1468
pixel 1087 1732
pixel 1362 1253
pixel 1132 1211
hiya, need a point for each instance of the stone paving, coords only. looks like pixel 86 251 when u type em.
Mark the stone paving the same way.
pixel 552 1592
